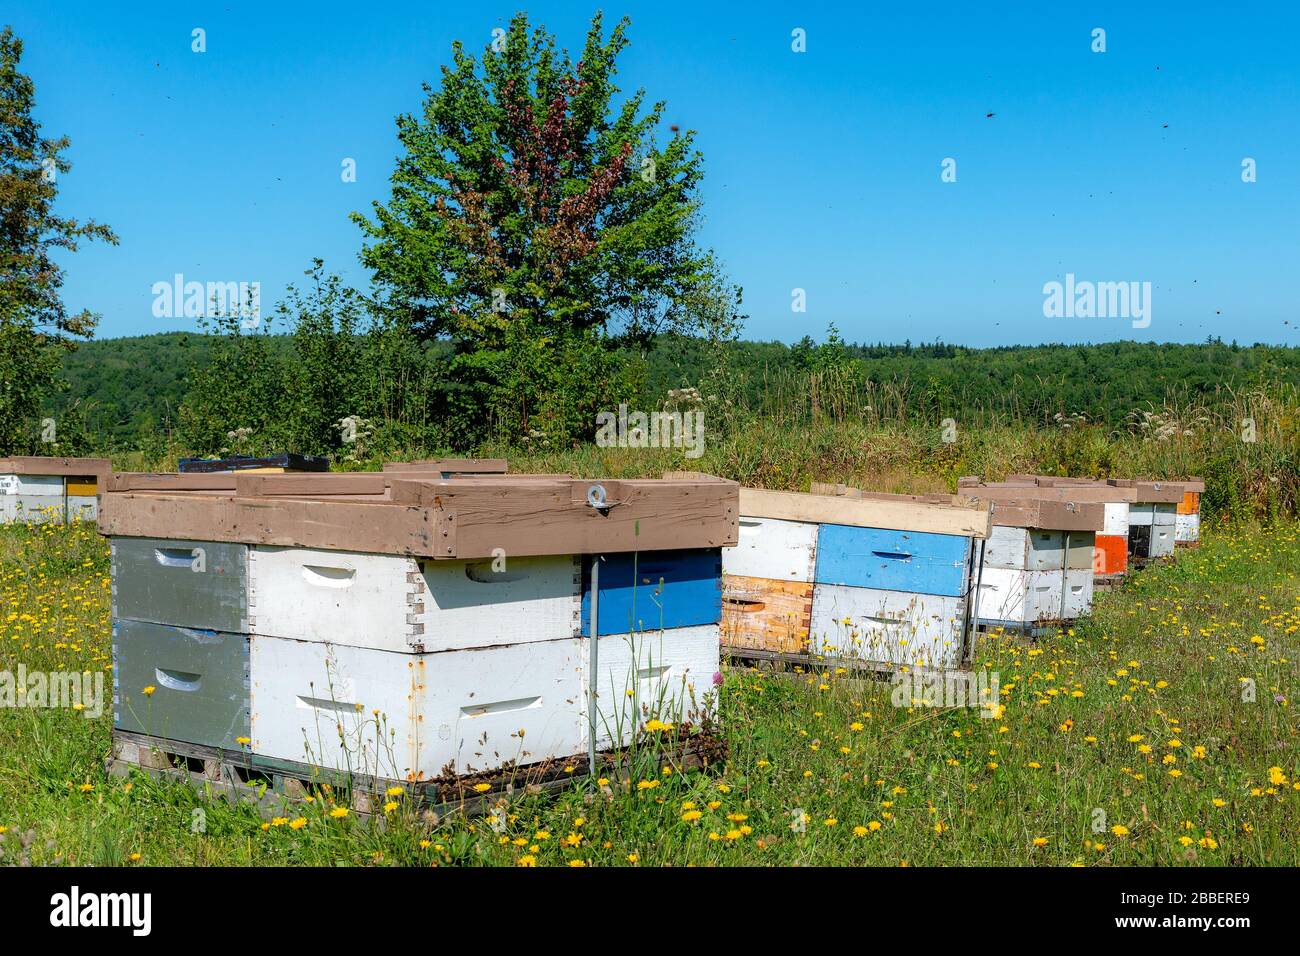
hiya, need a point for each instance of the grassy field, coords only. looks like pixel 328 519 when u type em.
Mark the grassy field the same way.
pixel 1160 731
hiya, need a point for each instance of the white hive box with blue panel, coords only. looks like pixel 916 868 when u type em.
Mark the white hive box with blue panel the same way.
pixel 39 490
pixel 418 625
pixel 879 581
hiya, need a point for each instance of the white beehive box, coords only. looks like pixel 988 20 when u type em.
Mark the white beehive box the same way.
pixel 1116 519
pixel 1025 549
pixel 887 627
pixel 1187 528
pixel 41 486
pixel 412 716
pixel 1017 597
pixel 31 509
pixel 666 675
pixel 395 603
pixel 1162 540
pixel 774 549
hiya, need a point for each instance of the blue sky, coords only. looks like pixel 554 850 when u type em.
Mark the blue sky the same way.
pixel 822 168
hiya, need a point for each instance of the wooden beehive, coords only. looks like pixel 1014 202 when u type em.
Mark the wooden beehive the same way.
pixel 1187 520
pixel 1040 565
pixel 417 621
pixel 1111 544
pixel 880 580
pixel 36 490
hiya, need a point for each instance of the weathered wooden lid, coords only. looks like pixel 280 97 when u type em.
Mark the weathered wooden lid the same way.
pixel 1046 514
pixel 36 465
pixel 940 515
pixel 481 466
pixel 298 483
pixel 433 517
pixel 1145 491
pixel 1006 491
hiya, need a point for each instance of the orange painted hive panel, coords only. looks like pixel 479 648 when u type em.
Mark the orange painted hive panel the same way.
pixel 765 615
pixel 1110 555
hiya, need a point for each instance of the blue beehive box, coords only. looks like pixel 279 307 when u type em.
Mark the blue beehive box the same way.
pixel 650 590
pixel 915 561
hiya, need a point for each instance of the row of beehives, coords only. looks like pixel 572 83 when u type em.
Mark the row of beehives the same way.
pixel 851 582
pixel 401 666
pixel 40 490
pixel 881 579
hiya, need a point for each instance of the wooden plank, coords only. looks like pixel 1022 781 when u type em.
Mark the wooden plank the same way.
pixel 848 491
pixel 169 481
pixel 1145 490
pixel 378 527
pixel 255 483
pixel 553 517
pixel 1079 493
pixel 1189 484
pixel 903 514
pixel 461 465
pixel 37 465
pixel 448 519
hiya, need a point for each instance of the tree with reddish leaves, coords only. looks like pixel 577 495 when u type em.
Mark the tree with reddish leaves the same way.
pixel 536 223
pixel 35 326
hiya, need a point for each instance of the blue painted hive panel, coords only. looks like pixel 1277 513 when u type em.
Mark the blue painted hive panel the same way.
pixel 917 561
pixel 649 590
pixel 181 684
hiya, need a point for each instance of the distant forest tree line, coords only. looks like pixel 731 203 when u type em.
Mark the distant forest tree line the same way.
pixel 294 388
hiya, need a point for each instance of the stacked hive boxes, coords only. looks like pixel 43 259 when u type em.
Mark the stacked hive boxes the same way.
pixel 37 490
pixel 879 579
pixel 1038 565
pixel 1187 520
pixel 1110 559
pixel 1152 517
pixel 408 627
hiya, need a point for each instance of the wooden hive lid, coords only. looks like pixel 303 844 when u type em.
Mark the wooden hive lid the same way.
pixel 480 466
pixel 871 510
pixel 37 465
pixel 1047 514
pixel 312 483
pixel 1145 491
pixel 435 517
pixel 1005 491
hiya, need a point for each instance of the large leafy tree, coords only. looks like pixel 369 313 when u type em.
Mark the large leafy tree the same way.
pixel 35 326
pixel 534 221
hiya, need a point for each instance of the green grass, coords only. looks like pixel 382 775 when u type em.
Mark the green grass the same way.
pixel 1165 660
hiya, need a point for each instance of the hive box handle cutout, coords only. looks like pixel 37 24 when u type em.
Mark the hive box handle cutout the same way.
pixel 178 680
pixel 193 558
pixel 481 572
pixel 501 707
pixel 321 576
pixel 321 703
